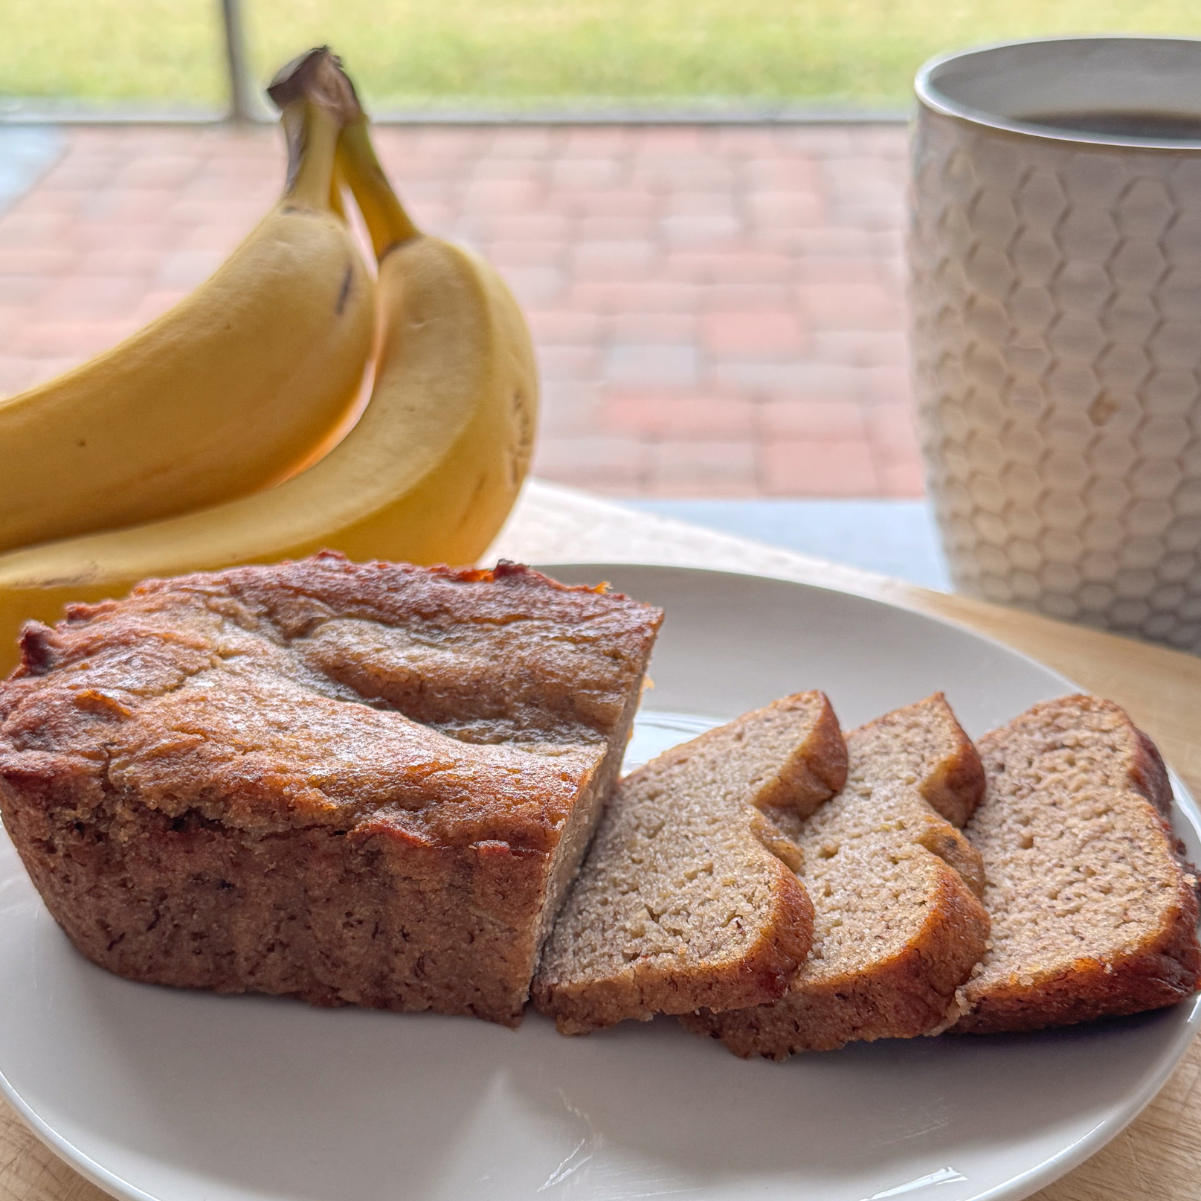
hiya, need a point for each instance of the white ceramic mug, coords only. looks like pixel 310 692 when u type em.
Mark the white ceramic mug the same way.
pixel 1055 250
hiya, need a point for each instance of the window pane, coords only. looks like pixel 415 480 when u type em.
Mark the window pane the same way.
pixel 160 53
pixel 530 52
pixel 512 52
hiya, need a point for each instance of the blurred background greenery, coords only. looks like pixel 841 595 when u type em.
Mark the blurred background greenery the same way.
pixel 512 53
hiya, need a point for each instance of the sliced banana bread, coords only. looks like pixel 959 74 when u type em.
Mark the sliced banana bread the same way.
pixel 897 924
pixel 1093 910
pixel 689 896
pixel 352 783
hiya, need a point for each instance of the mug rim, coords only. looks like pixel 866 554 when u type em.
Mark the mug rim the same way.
pixel 929 96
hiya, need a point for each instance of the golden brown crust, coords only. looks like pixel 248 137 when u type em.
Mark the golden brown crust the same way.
pixel 816 772
pixel 1165 970
pixel 1079 759
pixel 903 996
pixel 187 769
pixel 942 839
pixel 956 787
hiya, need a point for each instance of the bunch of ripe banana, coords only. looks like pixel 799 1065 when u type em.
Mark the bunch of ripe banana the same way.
pixel 201 427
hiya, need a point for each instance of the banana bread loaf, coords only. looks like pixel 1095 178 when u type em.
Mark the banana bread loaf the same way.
pixel 351 783
pixel 689 895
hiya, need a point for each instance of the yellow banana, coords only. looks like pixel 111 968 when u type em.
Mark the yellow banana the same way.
pixel 427 475
pixel 228 392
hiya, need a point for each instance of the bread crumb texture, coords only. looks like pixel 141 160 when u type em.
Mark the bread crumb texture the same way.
pixel 897 922
pixel 1094 911
pixel 689 895
pixel 352 783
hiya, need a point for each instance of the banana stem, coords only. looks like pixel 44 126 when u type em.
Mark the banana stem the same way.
pixel 316 99
pixel 387 222
pixel 336 184
pixel 312 131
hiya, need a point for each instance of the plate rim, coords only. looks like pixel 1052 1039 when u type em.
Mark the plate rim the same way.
pixel 936 618
pixel 1015 1188
pixel 75 1158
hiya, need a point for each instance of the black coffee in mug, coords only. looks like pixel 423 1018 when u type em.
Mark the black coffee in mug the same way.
pixel 1133 123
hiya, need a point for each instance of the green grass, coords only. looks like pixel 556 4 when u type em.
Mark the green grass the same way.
pixel 532 52
pixel 150 51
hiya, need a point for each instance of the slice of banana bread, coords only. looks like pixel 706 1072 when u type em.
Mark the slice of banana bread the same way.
pixel 689 895
pixel 352 783
pixel 897 925
pixel 1094 912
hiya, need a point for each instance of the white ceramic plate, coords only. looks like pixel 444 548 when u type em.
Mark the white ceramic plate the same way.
pixel 189 1097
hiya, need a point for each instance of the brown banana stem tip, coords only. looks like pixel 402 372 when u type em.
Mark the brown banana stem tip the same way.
pixel 316 76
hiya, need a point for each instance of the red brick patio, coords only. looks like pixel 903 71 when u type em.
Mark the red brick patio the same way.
pixel 718 311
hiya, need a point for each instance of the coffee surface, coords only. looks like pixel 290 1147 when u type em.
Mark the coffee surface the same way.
pixel 1130 123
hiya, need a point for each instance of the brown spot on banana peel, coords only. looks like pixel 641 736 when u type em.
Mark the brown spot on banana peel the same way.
pixel 344 293
pixel 522 449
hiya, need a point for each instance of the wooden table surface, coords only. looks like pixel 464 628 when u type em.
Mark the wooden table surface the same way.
pixel 1158 1157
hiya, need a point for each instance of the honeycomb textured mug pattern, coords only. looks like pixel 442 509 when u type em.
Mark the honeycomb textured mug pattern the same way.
pixel 1057 342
